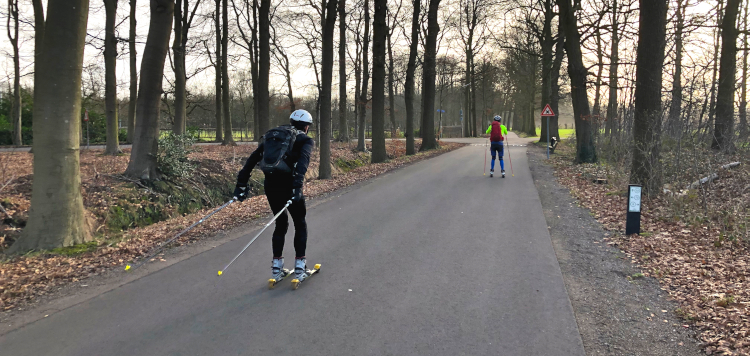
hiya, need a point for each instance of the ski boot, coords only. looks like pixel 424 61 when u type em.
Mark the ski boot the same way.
pixel 301 272
pixel 492 173
pixel 278 272
pixel 503 172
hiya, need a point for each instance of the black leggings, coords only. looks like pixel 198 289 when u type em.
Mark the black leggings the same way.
pixel 277 200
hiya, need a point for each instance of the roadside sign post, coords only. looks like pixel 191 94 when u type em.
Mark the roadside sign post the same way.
pixel 547 112
pixel 633 219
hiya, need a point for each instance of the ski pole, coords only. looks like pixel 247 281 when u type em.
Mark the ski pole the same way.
pixel 159 248
pixel 510 159
pixel 289 202
pixel 485 160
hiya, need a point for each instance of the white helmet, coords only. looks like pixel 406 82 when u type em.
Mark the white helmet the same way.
pixel 301 116
pixel 498 118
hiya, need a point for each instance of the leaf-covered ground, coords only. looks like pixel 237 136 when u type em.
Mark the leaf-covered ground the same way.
pixel 695 244
pixel 23 278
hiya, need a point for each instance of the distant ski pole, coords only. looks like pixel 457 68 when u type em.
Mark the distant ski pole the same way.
pixel 289 202
pixel 510 160
pixel 485 159
pixel 160 247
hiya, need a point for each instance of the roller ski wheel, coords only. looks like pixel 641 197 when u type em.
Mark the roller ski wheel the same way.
pixel 274 281
pixel 309 273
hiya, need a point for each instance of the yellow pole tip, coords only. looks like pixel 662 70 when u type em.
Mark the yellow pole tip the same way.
pixel 127 267
pixel 220 273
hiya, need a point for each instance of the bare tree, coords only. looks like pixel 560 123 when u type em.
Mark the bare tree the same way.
pixel 380 32
pixel 183 19
pixel 362 100
pixel 724 128
pixel 218 74
pixel 133 73
pixel 409 82
pixel 428 78
pixel 142 163
pixel 647 121
pixel 329 25
pixel 283 60
pixel 743 85
pixel 110 86
pixel 675 108
pixel 392 17
pixel 264 65
pixel 343 126
pixel 57 217
pixel 613 68
pixel 16 105
pixel 228 137
pixel 585 151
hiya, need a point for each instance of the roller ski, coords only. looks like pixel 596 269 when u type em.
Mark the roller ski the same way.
pixel 503 172
pixel 492 174
pixel 278 272
pixel 302 273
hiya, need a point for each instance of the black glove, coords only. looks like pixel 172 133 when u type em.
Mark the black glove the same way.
pixel 297 194
pixel 240 192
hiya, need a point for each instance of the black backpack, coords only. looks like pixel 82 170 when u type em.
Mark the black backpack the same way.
pixel 277 144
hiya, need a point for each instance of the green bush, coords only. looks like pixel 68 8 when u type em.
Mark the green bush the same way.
pixel 172 158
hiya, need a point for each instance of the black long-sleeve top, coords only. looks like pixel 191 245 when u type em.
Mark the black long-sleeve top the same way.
pixel 298 158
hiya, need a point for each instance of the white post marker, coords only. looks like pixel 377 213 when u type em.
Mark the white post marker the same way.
pixel 547 112
pixel 633 219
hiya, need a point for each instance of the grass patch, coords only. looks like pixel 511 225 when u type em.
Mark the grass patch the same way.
pixel 76 250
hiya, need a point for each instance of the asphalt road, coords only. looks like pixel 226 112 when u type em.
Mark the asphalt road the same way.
pixel 432 259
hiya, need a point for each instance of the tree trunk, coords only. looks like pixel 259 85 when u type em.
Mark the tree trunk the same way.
pixel 16 104
pixel 428 78
pixel 180 76
pixel 142 163
pixel 329 25
pixel 264 65
pixel 468 132
pixel 255 57
pixel 110 85
pixel 218 75
pixel 57 217
pixel 228 137
pixel 548 44
pixel 531 118
pixel 743 86
pixel 724 130
pixel 648 77
pixel 343 125
pixel 600 69
pixel 675 107
pixel 133 74
pixel 585 149
pixel 613 68
pixel 391 93
pixel 361 146
pixel 409 83
pixel 39 25
pixel 380 33
pixel 715 71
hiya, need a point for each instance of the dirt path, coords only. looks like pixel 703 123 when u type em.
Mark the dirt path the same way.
pixel 618 312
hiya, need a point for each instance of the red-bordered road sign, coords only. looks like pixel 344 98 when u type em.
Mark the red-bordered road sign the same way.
pixel 547 111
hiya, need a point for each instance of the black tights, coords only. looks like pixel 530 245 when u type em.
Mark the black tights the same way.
pixel 277 200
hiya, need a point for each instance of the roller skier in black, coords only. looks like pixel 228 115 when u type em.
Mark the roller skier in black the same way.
pixel 283 154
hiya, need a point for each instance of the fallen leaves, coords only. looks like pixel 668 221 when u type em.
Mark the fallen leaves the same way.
pixel 704 271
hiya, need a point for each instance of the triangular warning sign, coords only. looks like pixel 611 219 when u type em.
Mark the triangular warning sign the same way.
pixel 547 111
